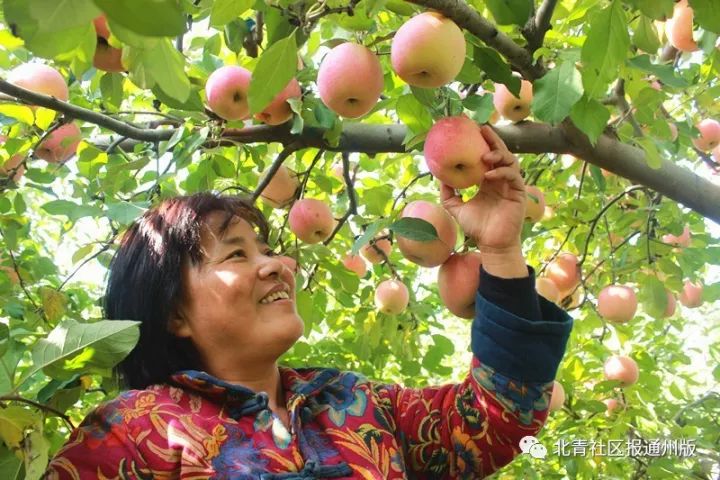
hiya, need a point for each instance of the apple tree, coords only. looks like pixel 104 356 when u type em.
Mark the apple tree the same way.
pixel 333 106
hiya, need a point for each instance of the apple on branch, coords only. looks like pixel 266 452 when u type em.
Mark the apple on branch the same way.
pixel 679 28
pixel 355 263
pixel 392 297
pixel 458 280
pixel 621 368
pixel 60 145
pixel 281 189
pixel 709 135
pixel 617 303
pixel 350 80
pixel 454 148
pixel 311 220
pixel 564 272
pixel 40 78
pixel 534 203
pixel 434 252
pixel 691 295
pixel 106 58
pixel 372 255
pixel 279 111
pixel 13 163
pixel 226 91
pixel 428 51
pixel 510 106
pixel 547 289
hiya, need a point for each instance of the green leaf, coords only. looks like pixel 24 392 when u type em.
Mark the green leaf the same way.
pixel 55 15
pixel 481 106
pixel 235 32
pixel 656 9
pixel 111 87
pixel 665 73
pixel 707 14
pixel 10 464
pixel 653 296
pixel 426 96
pixel 415 229
pixel 154 18
pixel 413 114
pixel 20 113
pixel 496 68
pixel 225 11
pixel 646 36
pixel 163 65
pixel 507 12
pixel 273 72
pixel 368 235
pixel 35 453
pixel 555 94
pixel 125 212
pixel 74 347
pixel 72 210
pixel 605 48
pixel 652 154
pixel 591 117
pixel 54 303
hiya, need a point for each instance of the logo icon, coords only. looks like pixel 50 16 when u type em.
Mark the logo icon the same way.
pixel 531 445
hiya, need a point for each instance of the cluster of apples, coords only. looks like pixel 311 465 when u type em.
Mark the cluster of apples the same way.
pixel 61 144
pixel 620 368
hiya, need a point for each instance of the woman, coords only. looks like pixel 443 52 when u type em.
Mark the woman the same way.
pixel 217 307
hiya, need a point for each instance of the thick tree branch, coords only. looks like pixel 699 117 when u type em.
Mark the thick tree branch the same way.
pixel 468 18
pixel 538 25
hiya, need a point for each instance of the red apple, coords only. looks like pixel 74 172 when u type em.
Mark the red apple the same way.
pixel 621 368
pixel 350 80
pixel 534 203
pixel 458 280
pixel 547 289
pixel 564 272
pixel 279 111
pixel 454 148
pixel 281 189
pixel 226 91
pixel 107 58
pixel 617 303
pixel 671 305
pixel 510 106
pixel 372 255
pixel 679 28
pixel 356 264
pixel 60 145
pixel 40 79
pixel 709 135
pixel 691 296
pixel 391 297
pixel 557 399
pixel 612 405
pixel 428 50
pixel 311 220
pixel 435 252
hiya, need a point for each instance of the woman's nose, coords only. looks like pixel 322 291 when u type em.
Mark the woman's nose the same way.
pixel 271 266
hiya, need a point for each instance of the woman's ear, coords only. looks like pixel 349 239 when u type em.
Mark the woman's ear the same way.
pixel 178 324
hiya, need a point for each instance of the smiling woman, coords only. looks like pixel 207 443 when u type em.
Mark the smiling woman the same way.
pixel 208 399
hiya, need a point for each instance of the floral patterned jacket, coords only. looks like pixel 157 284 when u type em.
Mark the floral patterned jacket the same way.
pixel 341 424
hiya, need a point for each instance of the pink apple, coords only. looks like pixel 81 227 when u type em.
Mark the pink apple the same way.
pixel 40 79
pixel 621 368
pixel 611 405
pixel 534 203
pixel 454 148
pixel 435 252
pixel 226 90
pixel 679 28
pixel 428 50
pixel 107 58
pixel 15 162
pixel 279 111
pixel 60 145
pixel 281 189
pixel 510 106
pixel 372 255
pixel 356 264
pixel 671 305
pixel 709 135
pixel 391 297
pixel 683 240
pixel 564 272
pixel 691 296
pixel 350 80
pixel 547 289
pixel 311 220
pixel 557 399
pixel 458 280
pixel 617 303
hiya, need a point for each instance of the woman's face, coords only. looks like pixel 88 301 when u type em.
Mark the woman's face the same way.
pixel 225 309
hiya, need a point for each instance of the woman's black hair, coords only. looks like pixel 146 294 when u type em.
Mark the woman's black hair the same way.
pixel 145 279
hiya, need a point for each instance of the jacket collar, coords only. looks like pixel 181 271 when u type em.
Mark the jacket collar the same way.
pixel 298 384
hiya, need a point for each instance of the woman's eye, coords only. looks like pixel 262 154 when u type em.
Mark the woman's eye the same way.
pixel 238 253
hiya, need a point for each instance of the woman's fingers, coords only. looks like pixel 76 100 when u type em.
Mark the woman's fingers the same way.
pixel 450 199
pixel 493 139
pixel 509 174
pixel 498 158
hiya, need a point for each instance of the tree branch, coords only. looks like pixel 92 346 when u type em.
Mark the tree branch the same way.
pixel 538 25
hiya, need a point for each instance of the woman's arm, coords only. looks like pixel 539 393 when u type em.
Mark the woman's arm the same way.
pixel 472 429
